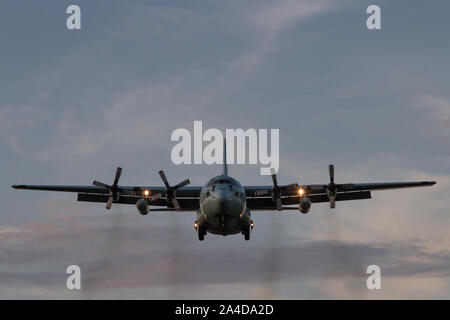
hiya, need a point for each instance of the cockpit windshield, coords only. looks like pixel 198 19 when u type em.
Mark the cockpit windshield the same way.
pixel 229 181
pixel 222 181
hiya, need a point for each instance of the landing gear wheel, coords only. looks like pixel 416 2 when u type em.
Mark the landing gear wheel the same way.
pixel 247 233
pixel 201 233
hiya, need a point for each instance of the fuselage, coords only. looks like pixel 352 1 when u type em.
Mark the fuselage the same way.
pixel 223 206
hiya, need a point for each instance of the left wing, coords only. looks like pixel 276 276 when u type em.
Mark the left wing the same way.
pixel 187 197
pixel 134 191
pixel 178 197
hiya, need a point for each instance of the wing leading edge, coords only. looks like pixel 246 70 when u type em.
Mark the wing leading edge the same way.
pixel 124 190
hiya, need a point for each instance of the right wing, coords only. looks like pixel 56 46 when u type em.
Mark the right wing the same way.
pixel 260 197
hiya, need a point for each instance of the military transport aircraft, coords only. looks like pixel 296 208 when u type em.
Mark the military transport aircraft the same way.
pixel 223 205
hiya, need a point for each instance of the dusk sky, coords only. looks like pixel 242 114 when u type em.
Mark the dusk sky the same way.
pixel 76 104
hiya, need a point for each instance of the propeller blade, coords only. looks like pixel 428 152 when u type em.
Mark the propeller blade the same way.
pixel 118 173
pixel 100 184
pixel 182 184
pixel 276 191
pixel 176 205
pixel 109 203
pixel 279 205
pixel 164 179
pixel 274 178
pixel 332 202
pixel 332 187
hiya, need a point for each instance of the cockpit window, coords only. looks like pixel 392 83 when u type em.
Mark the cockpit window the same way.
pixel 222 181
pixel 230 181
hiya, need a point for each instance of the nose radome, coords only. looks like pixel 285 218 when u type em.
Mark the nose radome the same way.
pixel 222 195
pixel 224 202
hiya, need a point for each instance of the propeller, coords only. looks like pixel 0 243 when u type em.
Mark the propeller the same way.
pixel 114 190
pixel 170 191
pixel 276 191
pixel 331 187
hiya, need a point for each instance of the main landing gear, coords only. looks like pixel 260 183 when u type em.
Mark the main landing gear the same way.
pixel 246 231
pixel 201 231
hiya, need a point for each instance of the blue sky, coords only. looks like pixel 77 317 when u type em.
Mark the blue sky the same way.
pixel 76 104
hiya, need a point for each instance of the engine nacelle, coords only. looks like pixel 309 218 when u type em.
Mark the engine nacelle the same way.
pixel 142 206
pixel 305 205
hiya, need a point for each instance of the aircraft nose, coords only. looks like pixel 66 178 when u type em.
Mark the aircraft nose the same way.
pixel 222 195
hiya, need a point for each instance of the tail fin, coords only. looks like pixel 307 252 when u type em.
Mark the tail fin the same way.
pixel 225 164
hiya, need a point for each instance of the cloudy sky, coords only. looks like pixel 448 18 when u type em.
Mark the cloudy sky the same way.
pixel 76 104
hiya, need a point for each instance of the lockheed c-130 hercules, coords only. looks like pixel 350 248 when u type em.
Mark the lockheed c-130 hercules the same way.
pixel 223 205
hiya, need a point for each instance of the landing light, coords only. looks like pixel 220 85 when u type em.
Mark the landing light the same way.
pixel 146 193
pixel 301 191
pixel 195 225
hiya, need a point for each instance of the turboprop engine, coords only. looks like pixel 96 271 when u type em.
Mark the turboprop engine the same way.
pixel 142 206
pixel 305 205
